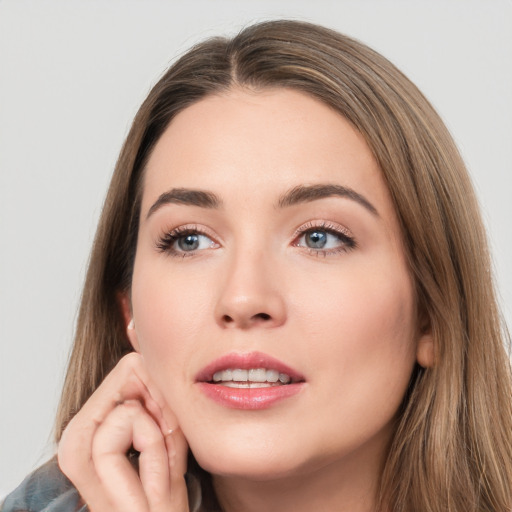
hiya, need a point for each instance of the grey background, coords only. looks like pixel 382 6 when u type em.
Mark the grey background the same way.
pixel 72 75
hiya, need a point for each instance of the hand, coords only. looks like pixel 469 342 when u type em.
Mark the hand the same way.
pixel 126 410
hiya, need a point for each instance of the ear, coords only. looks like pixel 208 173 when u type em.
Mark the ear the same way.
pixel 425 353
pixel 125 306
pixel 425 350
pixel 425 346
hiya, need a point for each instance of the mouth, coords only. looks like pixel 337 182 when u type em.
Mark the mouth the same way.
pixel 249 381
pixel 251 378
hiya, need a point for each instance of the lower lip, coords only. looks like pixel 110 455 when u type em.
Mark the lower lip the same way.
pixel 249 398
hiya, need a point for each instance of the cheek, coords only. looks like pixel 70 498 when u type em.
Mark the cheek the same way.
pixel 360 351
pixel 363 325
pixel 170 315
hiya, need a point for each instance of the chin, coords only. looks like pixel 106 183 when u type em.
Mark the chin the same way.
pixel 255 463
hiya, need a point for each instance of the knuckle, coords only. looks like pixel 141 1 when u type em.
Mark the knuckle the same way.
pixel 114 435
pixel 150 439
pixel 129 361
pixel 129 408
pixel 63 459
pixel 66 459
pixel 66 453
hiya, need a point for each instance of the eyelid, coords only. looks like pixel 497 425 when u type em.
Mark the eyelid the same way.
pixel 326 225
pixel 169 235
pixel 345 236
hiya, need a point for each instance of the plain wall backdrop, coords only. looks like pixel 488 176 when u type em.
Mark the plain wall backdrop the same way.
pixel 72 75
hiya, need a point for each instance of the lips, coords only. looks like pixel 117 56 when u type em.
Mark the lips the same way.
pixel 249 381
pixel 247 361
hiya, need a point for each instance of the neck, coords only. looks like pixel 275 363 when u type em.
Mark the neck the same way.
pixel 342 486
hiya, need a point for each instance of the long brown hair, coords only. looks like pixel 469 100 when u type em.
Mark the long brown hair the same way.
pixel 452 449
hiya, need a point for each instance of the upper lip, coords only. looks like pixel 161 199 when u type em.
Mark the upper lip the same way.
pixel 246 361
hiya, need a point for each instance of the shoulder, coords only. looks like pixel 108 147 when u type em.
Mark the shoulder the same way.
pixel 44 490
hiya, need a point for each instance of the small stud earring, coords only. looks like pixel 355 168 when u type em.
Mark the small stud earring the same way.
pixel 131 325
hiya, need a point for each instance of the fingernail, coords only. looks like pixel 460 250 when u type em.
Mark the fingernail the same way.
pixel 166 430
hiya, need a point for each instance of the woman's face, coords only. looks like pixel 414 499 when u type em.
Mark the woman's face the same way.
pixel 268 250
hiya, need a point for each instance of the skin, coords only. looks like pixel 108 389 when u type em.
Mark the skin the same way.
pixel 344 317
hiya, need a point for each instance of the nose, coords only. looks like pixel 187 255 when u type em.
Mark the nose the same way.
pixel 250 294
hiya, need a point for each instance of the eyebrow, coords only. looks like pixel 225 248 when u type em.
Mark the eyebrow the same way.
pixel 297 195
pixel 186 196
pixel 308 193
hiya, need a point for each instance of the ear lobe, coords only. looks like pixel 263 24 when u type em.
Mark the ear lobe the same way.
pixel 425 353
pixel 126 310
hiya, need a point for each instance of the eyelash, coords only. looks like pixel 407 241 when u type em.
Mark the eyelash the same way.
pixel 165 242
pixel 348 242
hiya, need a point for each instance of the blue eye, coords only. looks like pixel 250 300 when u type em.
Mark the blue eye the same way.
pixel 324 241
pixel 190 242
pixel 181 241
pixel 316 239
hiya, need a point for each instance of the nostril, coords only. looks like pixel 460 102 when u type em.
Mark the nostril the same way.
pixel 245 321
pixel 262 316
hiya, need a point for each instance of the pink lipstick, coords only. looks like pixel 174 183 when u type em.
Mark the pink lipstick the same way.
pixel 249 381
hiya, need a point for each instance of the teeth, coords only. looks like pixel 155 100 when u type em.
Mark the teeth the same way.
pixel 254 377
pixel 258 375
pixel 240 375
pixel 285 379
pixel 223 375
pixel 247 384
pixel 273 375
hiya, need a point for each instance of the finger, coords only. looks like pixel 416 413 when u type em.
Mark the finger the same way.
pixel 129 423
pixel 157 405
pixel 81 471
pixel 177 450
pixel 126 381
pixel 153 464
pixel 129 380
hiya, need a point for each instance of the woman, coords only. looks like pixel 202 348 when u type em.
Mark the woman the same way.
pixel 290 277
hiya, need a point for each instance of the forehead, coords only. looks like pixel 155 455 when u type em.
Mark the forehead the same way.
pixel 260 144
